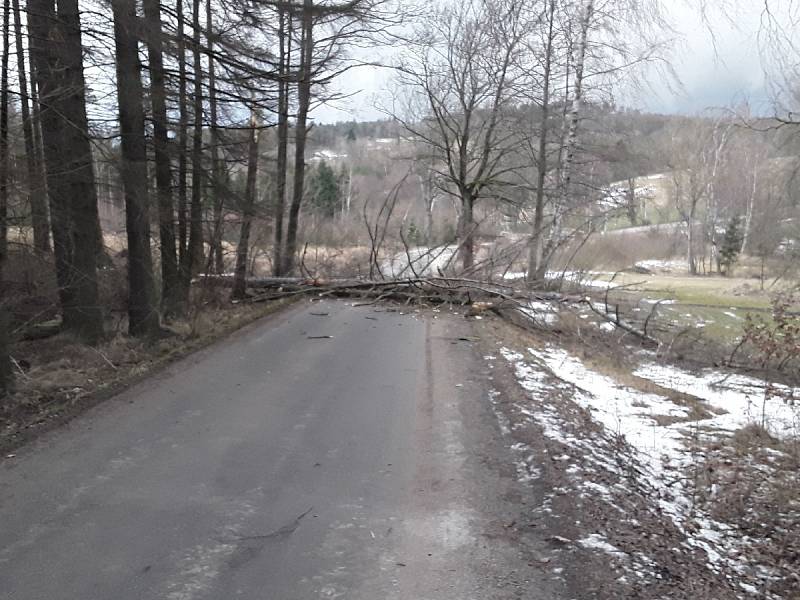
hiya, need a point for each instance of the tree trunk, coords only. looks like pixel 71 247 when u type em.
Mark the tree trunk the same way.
pixel 36 192
pixel 466 235
pixel 301 133
pixel 196 208
pixel 6 375
pixel 748 219
pixel 142 311
pixel 428 197
pixel 573 120
pixel 185 270
pixel 217 197
pixel 632 206
pixel 37 132
pixel 85 318
pixel 285 50
pixel 536 265
pixel 48 78
pixel 170 286
pixel 58 60
pixel 240 273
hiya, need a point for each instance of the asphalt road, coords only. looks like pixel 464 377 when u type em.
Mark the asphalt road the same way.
pixel 277 465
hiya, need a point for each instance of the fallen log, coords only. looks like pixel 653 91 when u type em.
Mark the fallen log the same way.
pixel 480 296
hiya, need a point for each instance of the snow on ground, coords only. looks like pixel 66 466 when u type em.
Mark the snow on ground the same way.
pixel 598 542
pixel 325 154
pixel 618 195
pixel 663 265
pixel 580 278
pixel 660 433
pixel 542 313
pixel 660 301
pixel 744 400
pixel 621 410
pixel 423 262
pixel 515 275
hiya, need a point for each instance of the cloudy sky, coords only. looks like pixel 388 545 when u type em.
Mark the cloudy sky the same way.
pixel 715 70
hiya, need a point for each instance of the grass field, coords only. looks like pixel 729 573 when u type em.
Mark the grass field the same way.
pixel 717 305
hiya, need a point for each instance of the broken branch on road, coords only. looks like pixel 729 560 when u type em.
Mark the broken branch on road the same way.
pixel 504 300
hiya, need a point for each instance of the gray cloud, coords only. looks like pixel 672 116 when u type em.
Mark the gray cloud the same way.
pixel 718 64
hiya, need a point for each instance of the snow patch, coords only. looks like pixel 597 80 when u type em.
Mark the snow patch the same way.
pixel 745 400
pixel 596 541
pixel 420 261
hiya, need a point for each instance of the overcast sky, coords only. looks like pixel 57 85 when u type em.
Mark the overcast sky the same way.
pixel 715 71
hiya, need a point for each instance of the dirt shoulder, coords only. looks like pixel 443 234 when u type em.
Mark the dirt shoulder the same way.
pixel 623 523
pixel 58 378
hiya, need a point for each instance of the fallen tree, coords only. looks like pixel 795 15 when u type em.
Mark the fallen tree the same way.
pixel 504 300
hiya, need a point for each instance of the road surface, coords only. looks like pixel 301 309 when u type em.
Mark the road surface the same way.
pixel 279 465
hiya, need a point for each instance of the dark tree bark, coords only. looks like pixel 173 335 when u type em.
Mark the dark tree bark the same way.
pixel 301 133
pixel 196 209
pixel 142 312
pixel 240 273
pixel 48 78
pixel 170 285
pixel 284 62
pixel 466 230
pixel 57 53
pixel 36 117
pixel 284 58
pixel 217 198
pixel 6 375
pixel 86 317
pixel 183 138
pixel 36 191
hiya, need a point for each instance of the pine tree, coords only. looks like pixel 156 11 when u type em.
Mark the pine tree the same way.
pixel 731 245
pixel 325 193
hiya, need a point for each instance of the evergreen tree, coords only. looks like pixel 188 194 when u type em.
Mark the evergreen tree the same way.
pixel 325 191
pixel 731 245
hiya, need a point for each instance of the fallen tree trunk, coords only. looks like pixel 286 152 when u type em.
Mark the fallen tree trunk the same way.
pixel 479 295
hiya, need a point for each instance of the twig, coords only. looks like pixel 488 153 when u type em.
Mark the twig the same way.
pixel 105 358
pixel 19 368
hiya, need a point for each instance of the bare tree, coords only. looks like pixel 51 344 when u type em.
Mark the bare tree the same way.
pixel 142 312
pixel 170 285
pixel 240 273
pixel 284 62
pixel 326 31
pixel 459 66
pixel 184 256
pixel 539 152
pixel 6 375
pixel 57 52
pixel 690 181
pixel 304 84
pixel 195 249
pixel 586 47
pixel 35 188
pixel 217 167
